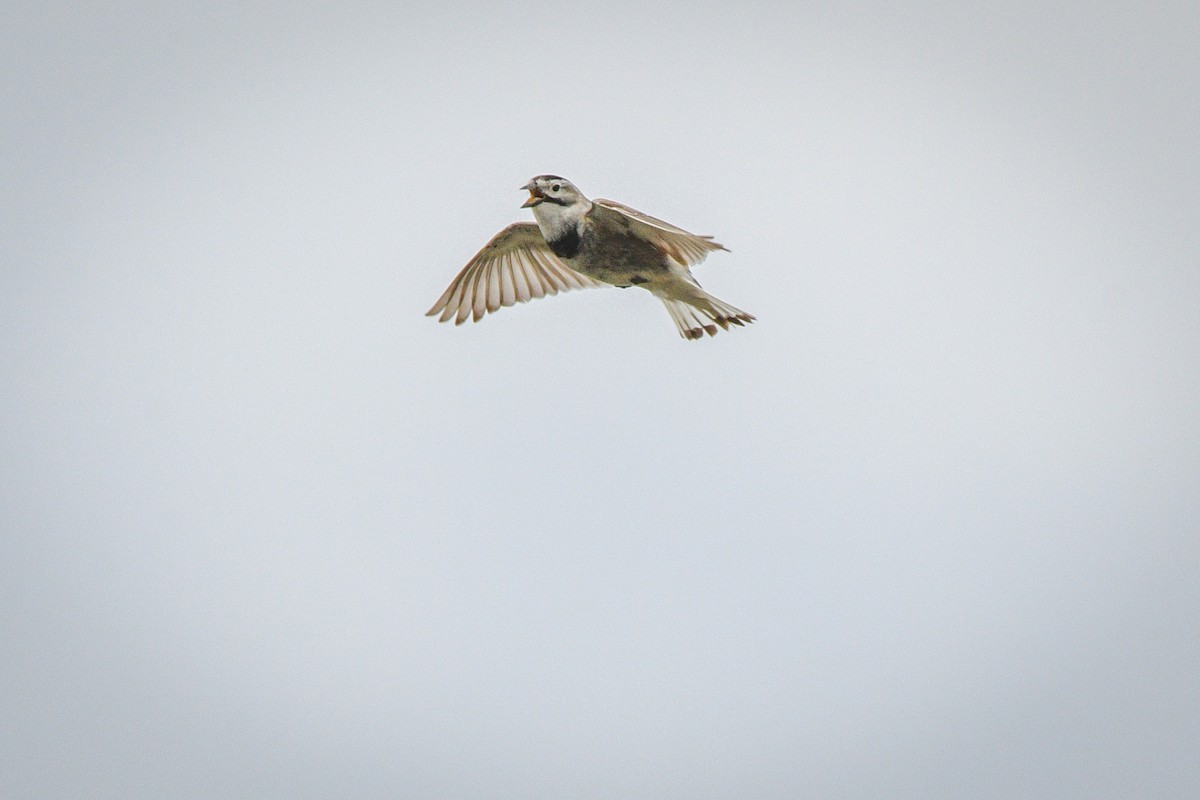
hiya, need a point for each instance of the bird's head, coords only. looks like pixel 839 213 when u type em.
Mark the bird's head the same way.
pixel 552 189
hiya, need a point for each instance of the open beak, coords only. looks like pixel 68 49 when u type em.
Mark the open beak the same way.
pixel 535 196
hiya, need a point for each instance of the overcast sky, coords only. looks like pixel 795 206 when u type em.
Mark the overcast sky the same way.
pixel 929 529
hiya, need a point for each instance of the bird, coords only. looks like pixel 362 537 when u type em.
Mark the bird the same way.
pixel 577 243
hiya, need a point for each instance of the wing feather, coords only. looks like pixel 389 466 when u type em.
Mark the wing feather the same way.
pixel 514 267
pixel 493 298
pixel 508 291
pixel 688 249
pixel 520 282
pixel 479 296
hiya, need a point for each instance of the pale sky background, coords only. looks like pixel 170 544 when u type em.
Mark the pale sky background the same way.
pixel 929 529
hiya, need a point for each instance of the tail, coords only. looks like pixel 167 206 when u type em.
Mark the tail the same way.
pixel 696 312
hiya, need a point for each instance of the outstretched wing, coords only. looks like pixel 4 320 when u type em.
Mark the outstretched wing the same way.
pixel 514 267
pixel 686 248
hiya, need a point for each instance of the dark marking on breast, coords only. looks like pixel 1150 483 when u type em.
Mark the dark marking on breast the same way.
pixel 566 245
pixel 636 279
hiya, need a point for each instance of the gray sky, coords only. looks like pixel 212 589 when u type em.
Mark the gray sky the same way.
pixel 928 529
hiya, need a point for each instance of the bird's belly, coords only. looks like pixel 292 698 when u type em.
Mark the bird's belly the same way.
pixel 620 266
pixel 617 277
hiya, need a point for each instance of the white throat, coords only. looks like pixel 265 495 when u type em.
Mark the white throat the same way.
pixel 555 221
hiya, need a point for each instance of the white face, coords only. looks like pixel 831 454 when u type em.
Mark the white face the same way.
pixel 553 190
pixel 557 205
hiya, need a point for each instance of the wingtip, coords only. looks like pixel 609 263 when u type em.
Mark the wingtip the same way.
pixel 715 245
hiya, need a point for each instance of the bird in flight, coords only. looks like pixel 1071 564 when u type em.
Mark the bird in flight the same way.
pixel 577 243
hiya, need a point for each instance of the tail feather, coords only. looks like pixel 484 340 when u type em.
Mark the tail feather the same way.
pixel 697 312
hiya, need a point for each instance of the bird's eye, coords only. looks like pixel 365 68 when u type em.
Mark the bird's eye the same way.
pixel 555 188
